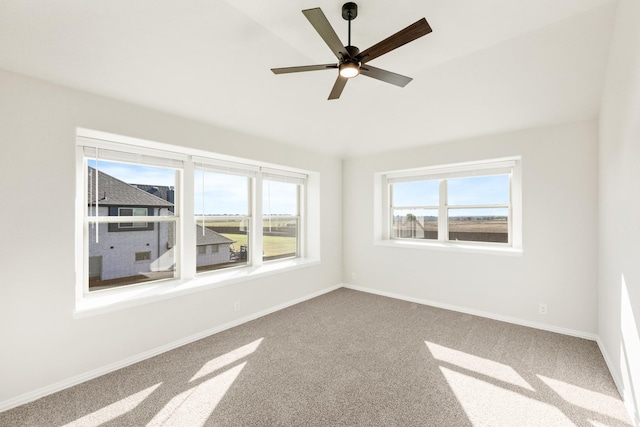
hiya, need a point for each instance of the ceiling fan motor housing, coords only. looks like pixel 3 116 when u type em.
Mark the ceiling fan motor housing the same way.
pixel 353 51
pixel 349 11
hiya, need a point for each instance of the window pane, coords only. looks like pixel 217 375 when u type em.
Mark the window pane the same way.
pixel 228 242
pixel 416 193
pixel 415 224
pixel 121 185
pixel 222 205
pixel 479 225
pixel 479 190
pixel 279 198
pixel 127 258
pixel 280 237
pixel 221 194
pixel 280 223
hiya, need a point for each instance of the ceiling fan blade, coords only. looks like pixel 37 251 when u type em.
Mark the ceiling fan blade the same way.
pixel 320 22
pixel 384 75
pixel 402 37
pixel 338 87
pixel 303 68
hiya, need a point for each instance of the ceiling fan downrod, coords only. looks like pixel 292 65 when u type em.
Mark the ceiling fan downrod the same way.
pixel 349 12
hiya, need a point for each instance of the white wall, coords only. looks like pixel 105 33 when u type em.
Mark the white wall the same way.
pixel 558 265
pixel 41 343
pixel 619 229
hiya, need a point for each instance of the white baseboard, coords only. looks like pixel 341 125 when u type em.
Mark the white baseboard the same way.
pixel 488 315
pixel 70 382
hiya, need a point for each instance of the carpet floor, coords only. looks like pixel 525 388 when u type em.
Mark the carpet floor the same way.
pixel 349 358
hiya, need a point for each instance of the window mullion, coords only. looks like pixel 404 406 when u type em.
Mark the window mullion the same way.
pixel 255 247
pixel 391 216
pixel 443 212
pixel 186 238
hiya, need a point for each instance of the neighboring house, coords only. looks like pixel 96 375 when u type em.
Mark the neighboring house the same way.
pixel 212 248
pixel 162 191
pixel 132 249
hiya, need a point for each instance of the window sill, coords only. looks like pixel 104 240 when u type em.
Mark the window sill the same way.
pixel 461 247
pixel 132 296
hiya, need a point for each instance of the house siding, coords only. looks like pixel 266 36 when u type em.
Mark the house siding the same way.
pixel 118 250
pixel 223 255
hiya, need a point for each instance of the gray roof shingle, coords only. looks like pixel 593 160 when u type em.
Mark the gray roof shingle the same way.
pixel 210 237
pixel 113 192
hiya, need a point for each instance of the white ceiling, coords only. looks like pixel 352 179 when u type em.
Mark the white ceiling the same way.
pixel 488 66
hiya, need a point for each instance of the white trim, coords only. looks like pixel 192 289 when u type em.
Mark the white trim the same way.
pixel 109 300
pixel 485 314
pixel 222 166
pixel 132 143
pixel 115 219
pixel 283 176
pixel 455 170
pixel 134 155
pixel 77 379
pixel 485 248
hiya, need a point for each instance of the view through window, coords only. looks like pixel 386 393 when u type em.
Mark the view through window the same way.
pixel 134 231
pixel 281 219
pixel 122 251
pixel 222 219
pixel 473 205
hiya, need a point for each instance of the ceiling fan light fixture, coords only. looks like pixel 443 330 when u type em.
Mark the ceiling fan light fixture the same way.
pixel 349 69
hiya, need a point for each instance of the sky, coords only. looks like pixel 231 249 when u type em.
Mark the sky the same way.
pixel 460 191
pixel 215 193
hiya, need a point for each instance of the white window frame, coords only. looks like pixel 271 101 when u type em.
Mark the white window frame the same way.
pixel 252 173
pixel 299 181
pixel 186 279
pixel 384 208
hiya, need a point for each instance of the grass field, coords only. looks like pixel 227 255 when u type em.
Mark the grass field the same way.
pixel 273 245
pixel 463 225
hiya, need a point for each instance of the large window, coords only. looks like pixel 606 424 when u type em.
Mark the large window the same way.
pixel 153 215
pixel 451 204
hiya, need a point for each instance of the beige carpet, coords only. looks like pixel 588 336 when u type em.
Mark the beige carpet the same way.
pixel 348 358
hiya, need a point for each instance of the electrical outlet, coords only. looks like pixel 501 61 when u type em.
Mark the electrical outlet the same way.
pixel 236 306
pixel 543 309
pixel 353 276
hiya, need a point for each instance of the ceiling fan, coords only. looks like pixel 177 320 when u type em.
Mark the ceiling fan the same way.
pixel 352 62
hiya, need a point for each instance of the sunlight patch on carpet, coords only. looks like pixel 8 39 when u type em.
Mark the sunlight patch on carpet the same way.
pixel 486 404
pixel 193 407
pixel 226 359
pixel 489 368
pixel 587 399
pixel 114 410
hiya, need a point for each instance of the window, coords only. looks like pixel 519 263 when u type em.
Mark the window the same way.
pixel 475 203
pixel 134 195
pixel 223 212
pixel 281 216
pixel 114 234
pixel 132 212
pixel 143 256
